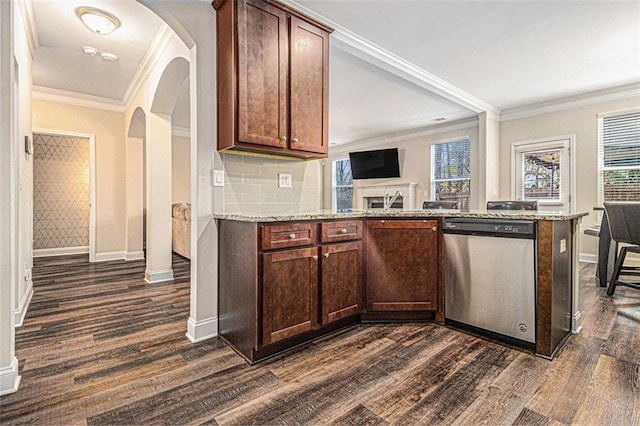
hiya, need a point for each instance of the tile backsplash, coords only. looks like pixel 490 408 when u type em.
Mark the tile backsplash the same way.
pixel 251 185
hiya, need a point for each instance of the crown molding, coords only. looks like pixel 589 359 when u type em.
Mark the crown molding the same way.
pixel 29 21
pixel 78 99
pixel 466 123
pixel 585 99
pixel 183 132
pixel 370 52
pixel 149 62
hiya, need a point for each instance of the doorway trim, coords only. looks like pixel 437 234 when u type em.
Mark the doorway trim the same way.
pixel 92 180
pixel 533 143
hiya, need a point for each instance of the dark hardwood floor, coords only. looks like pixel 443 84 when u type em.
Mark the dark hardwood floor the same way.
pixel 99 346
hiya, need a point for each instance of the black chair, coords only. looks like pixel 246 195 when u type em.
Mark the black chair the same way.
pixel 624 225
pixel 441 205
pixel 512 205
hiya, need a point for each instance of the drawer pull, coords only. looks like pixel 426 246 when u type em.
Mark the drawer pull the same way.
pixel 434 229
pixel 343 231
pixel 326 255
pixel 292 236
pixel 315 257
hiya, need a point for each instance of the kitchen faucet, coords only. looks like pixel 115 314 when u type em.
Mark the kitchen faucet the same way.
pixel 388 200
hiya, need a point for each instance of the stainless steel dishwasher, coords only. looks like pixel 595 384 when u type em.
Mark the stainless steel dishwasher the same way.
pixel 490 277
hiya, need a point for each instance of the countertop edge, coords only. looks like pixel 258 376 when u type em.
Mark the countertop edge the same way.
pixel 372 214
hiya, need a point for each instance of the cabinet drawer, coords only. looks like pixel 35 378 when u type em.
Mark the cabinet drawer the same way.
pixel 288 235
pixel 340 231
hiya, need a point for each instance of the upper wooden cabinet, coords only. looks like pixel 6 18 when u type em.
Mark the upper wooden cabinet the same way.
pixel 273 69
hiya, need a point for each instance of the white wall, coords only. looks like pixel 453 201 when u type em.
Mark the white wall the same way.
pixel 180 169
pixel 581 121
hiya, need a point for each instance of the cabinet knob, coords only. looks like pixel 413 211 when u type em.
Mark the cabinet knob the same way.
pixel 434 229
pixel 294 140
pixel 292 236
pixel 283 138
pixel 326 255
pixel 343 231
pixel 315 257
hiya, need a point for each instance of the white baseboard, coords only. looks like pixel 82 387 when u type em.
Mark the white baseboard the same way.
pixel 113 255
pixel 197 331
pixel 21 310
pixel 134 255
pixel 576 320
pixel 588 258
pixel 9 378
pixel 60 251
pixel 153 277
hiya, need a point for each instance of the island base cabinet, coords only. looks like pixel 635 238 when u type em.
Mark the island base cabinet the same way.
pixel 290 288
pixel 341 285
pixel 403 266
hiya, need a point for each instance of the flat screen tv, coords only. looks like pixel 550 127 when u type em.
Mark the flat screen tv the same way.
pixel 381 163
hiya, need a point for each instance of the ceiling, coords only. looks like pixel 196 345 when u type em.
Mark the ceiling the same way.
pixel 461 56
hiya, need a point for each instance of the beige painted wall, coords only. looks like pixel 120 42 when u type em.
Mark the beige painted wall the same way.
pixel 415 161
pixel 581 121
pixel 180 169
pixel 108 128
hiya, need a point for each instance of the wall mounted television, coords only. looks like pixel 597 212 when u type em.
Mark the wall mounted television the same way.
pixel 381 163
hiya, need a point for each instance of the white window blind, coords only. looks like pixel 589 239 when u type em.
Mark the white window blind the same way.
pixel 619 157
pixel 451 170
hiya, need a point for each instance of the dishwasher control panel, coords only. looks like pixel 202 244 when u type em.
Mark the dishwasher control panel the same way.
pixel 489 227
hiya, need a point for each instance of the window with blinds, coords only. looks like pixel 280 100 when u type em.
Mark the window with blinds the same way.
pixel 451 170
pixel 342 184
pixel 619 157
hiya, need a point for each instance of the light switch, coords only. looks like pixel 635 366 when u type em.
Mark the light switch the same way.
pixel 563 245
pixel 284 180
pixel 218 178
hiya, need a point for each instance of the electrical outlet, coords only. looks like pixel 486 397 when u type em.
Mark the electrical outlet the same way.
pixel 218 178
pixel 284 180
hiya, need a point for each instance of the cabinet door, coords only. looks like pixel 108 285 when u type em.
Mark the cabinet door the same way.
pixel 290 293
pixel 309 47
pixel 402 265
pixel 262 73
pixel 341 286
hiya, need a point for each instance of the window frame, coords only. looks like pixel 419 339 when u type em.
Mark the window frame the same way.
pixel 334 186
pixel 600 153
pixel 433 180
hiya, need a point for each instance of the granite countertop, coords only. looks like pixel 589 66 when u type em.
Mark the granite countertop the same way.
pixel 332 214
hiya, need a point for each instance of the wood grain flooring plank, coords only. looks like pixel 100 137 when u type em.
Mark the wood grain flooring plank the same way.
pixel 447 401
pixel 624 338
pixel 613 394
pixel 531 418
pixel 359 416
pixel 560 395
pixel 507 395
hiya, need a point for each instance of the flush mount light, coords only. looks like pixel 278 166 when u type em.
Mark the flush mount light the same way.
pixel 91 51
pixel 97 20
pixel 109 57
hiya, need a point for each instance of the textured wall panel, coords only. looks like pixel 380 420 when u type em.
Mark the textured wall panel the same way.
pixel 60 191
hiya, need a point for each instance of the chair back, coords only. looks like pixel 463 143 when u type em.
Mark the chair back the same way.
pixel 624 221
pixel 512 205
pixel 441 205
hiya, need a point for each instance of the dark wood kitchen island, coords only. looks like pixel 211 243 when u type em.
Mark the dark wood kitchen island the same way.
pixel 285 280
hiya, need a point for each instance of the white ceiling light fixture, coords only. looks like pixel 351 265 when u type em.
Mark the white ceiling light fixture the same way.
pixel 97 20
pixel 109 57
pixel 91 51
